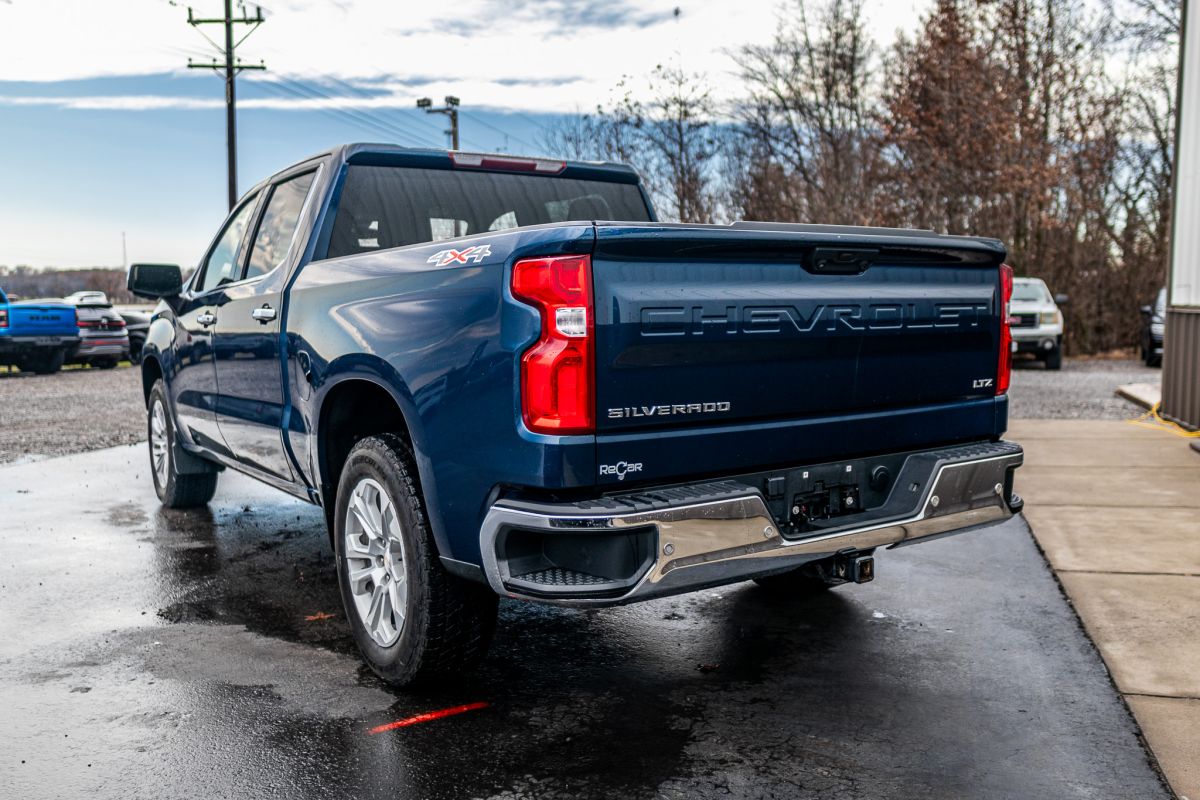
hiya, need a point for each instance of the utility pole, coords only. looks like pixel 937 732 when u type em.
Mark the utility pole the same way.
pixel 231 67
pixel 450 110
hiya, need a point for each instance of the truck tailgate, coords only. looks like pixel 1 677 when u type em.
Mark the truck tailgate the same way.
pixel 782 343
pixel 32 318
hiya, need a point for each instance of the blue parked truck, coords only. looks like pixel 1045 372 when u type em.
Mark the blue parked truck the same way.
pixel 36 335
pixel 503 377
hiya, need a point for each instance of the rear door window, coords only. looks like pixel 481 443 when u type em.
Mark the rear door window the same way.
pixel 278 225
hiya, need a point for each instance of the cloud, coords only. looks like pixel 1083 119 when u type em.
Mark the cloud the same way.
pixel 531 55
pixel 136 102
pixel 275 92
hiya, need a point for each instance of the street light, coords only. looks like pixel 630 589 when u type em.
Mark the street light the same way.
pixel 450 110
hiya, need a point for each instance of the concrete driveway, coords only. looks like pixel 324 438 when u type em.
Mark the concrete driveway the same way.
pixel 146 653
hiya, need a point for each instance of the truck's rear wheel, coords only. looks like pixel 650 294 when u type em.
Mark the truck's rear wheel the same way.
pixel 47 363
pixel 413 621
pixel 174 490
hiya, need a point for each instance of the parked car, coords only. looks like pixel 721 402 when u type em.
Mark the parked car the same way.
pixel 1036 321
pixel 1154 324
pixel 103 338
pixel 137 323
pixel 563 409
pixel 35 335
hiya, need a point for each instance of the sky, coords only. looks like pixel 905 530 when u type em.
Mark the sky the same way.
pixel 105 133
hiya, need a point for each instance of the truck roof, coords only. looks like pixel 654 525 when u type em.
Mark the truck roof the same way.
pixel 433 158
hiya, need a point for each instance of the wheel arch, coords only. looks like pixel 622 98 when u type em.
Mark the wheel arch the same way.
pixel 360 402
pixel 152 372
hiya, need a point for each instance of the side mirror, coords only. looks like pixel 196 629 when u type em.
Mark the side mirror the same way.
pixel 1147 310
pixel 154 280
pixel 1061 299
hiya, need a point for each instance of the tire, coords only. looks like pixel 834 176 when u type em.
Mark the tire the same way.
pixel 174 490
pixel 47 364
pixel 1054 358
pixel 1150 359
pixel 447 622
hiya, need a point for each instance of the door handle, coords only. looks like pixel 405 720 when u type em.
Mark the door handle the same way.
pixel 207 318
pixel 264 314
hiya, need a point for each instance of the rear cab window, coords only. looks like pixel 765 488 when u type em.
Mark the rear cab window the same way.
pixel 392 206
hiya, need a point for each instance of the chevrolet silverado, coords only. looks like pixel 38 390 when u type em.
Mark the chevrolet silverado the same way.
pixel 502 376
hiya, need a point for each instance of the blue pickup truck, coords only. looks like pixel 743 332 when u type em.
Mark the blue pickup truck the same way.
pixel 35 335
pixel 503 377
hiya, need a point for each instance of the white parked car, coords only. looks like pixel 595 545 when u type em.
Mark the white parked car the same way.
pixel 1036 321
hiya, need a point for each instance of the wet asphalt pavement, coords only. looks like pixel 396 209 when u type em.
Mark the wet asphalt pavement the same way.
pixel 155 654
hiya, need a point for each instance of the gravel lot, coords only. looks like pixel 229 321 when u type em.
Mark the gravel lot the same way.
pixel 85 409
pixel 73 411
pixel 1082 389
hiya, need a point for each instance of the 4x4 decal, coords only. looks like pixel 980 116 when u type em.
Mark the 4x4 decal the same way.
pixel 473 254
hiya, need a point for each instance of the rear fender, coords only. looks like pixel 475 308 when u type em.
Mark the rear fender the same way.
pixel 375 370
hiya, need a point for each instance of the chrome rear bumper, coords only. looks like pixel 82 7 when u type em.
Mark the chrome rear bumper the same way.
pixel 722 532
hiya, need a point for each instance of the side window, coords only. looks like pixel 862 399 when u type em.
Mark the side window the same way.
pixel 278 225
pixel 221 266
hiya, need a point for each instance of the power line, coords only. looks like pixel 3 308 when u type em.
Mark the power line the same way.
pixel 498 130
pixel 352 116
pixel 232 67
pixel 401 135
pixel 415 126
pixel 541 125
pixel 400 119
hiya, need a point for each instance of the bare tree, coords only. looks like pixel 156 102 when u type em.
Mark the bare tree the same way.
pixel 679 144
pixel 1001 118
pixel 808 149
pixel 670 137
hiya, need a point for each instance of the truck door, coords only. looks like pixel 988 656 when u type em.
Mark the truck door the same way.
pixel 193 385
pixel 251 404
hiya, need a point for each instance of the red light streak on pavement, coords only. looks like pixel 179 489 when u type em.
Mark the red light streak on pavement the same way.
pixel 428 716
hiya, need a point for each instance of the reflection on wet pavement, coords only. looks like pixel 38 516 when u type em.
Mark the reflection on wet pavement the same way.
pixel 153 653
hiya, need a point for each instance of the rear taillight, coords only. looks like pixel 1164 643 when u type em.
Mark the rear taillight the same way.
pixel 557 391
pixel 116 323
pixel 1004 362
pixel 3 317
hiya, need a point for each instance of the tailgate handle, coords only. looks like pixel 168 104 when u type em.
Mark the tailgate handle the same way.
pixel 841 260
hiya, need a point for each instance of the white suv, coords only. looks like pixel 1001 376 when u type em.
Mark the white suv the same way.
pixel 1035 321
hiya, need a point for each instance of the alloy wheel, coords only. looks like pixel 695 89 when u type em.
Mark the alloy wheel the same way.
pixel 374 553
